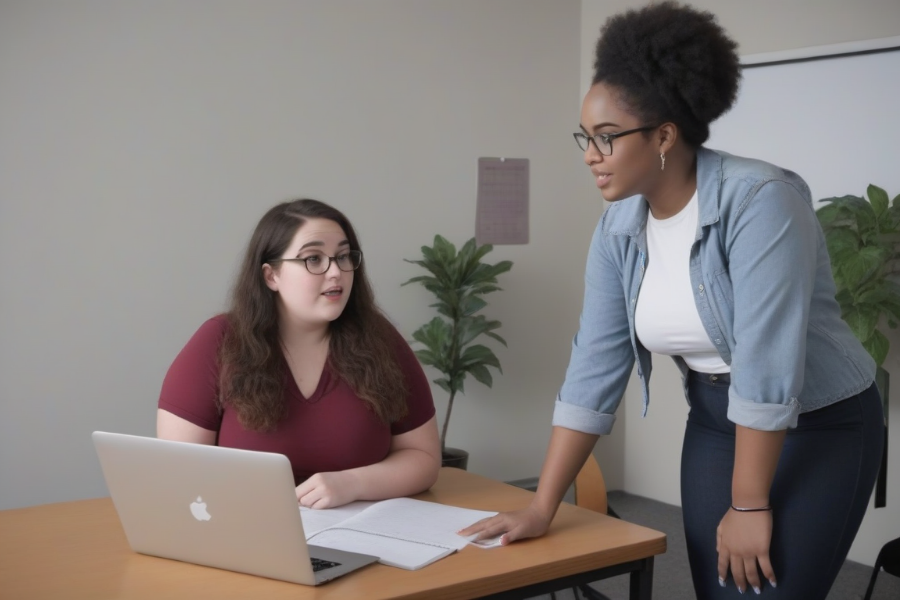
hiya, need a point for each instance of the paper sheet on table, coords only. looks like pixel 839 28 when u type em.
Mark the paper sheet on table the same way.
pixel 315 520
pixel 403 532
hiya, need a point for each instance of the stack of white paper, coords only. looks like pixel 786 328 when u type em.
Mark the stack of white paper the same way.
pixel 403 532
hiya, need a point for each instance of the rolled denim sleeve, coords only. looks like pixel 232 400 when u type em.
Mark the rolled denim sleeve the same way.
pixel 773 260
pixel 762 416
pixel 602 354
pixel 579 418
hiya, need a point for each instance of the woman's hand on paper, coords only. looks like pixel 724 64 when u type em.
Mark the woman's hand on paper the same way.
pixel 328 490
pixel 511 526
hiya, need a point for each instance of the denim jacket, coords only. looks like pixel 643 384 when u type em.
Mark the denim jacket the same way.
pixel 763 286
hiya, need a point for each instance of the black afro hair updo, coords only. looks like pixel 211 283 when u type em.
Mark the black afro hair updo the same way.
pixel 670 63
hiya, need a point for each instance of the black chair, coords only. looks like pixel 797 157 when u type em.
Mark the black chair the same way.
pixel 889 560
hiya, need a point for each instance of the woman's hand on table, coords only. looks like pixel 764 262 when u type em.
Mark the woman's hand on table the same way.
pixel 511 526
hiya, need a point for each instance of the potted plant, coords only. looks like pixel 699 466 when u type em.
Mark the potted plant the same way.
pixel 863 239
pixel 458 280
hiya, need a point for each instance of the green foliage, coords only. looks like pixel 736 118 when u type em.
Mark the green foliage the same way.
pixel 458 282
pixel 863 239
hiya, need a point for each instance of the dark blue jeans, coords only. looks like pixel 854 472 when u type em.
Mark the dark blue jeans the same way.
pixel 820 493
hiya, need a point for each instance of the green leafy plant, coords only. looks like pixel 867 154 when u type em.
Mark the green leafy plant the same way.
pixel 863 239
pixel 458 280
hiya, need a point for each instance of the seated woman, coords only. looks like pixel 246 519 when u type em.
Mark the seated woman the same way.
pixel 305 364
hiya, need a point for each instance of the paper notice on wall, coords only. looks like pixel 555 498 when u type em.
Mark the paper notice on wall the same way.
pixel 502 207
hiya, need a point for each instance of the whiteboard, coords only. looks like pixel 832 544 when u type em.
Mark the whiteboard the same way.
pixel 835 121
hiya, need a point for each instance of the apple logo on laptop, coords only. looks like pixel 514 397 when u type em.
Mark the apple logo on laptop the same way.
pixel 198 509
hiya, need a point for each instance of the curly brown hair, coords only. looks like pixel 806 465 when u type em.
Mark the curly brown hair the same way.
pixel 362 345
pixel 670 63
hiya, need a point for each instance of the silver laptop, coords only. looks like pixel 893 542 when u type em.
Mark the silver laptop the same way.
pixel 219 507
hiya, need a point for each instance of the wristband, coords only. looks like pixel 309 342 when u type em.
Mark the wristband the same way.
pixel 760 509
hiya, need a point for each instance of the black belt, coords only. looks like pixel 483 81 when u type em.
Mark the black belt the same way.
pixel 723 378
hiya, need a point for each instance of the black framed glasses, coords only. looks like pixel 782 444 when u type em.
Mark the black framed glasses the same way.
pixel 603 141
pixel 318 264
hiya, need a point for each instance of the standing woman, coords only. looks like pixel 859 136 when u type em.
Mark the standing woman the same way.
pixel 305 364
pixel 719 262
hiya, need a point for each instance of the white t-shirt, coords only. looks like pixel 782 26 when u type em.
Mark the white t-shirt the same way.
pixel 666 318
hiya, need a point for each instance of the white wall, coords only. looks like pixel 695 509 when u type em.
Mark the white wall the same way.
pixel 140 142
pixel 764 25
pixel 648 454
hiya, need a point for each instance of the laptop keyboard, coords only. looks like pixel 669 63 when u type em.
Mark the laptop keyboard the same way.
pixel 318 564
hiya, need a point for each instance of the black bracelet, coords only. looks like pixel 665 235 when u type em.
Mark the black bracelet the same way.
pixel 761 509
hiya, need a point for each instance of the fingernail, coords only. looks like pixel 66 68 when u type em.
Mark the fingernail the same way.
pixel 740 589
pixel 773 583
pixel 721 582
pixel 757 590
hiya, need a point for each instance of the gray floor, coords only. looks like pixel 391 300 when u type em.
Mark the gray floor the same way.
pixel 672 580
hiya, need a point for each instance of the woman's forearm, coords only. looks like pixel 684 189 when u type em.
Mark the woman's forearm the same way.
pixel 566 453
pixel 755 460
pixel 403 473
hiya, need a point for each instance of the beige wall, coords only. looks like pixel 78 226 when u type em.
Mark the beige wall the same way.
pixel 141 141
pixel 643 456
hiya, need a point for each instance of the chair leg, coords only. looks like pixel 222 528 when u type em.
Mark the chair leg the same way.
pixel 875 570
pixel 871 587
pixel 889 559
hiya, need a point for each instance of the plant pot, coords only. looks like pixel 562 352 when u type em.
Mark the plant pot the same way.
pixel 454 457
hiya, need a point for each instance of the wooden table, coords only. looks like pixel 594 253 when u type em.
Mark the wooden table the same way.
pixel 77 550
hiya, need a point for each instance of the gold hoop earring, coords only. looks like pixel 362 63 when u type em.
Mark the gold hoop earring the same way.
pixel 662 159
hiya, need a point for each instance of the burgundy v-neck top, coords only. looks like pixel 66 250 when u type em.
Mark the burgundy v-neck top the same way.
pixel 333 430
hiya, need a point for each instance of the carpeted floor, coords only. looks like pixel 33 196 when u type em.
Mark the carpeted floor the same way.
pixel 671 575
